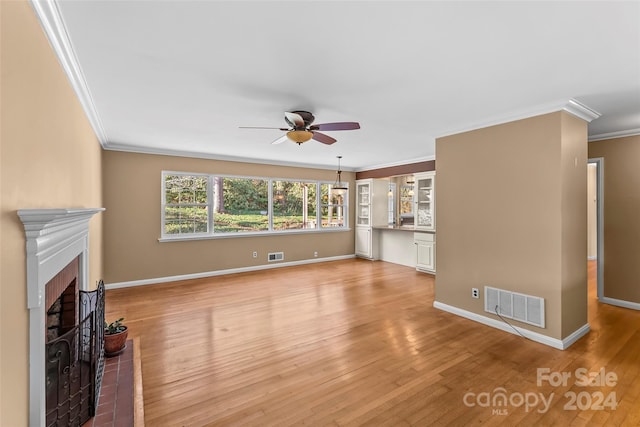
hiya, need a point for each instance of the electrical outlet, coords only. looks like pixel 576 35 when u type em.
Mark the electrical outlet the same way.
pixel 475 293
pixel 315 254
pixel 255 254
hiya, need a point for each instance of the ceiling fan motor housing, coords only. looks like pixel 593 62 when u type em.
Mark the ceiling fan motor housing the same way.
pixel 307 117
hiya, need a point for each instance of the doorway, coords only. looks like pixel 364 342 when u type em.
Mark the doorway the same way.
pixel 595 231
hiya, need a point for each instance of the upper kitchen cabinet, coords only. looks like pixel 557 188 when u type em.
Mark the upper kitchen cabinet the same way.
pixel 424 196
pixel 371 202
pixel 371 211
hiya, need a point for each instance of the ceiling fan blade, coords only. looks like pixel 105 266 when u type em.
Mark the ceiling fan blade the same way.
pixel 294 119
pixel 280 140
pixel 336 126
pixel 260 127
pixel 325 139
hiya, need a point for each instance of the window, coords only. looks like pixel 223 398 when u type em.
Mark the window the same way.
pixel 294 205
pixel 197 205
pixel 186 209
pixel 332 208
pixel 240 205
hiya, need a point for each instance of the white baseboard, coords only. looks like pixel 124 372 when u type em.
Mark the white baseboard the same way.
pixel 117 285
pixel 575 336
pixel 592 258
pixel 620 303
pixel 534 336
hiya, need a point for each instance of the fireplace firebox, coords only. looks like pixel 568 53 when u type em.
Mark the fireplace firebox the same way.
pixel 74 353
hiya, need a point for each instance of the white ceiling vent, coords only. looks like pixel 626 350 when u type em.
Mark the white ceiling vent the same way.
pixel 513 305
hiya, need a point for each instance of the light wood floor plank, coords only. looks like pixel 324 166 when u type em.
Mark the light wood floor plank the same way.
pixel 351 343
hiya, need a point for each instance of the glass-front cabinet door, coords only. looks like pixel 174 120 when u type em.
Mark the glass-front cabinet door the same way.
pixel 424 194
pixel 363 208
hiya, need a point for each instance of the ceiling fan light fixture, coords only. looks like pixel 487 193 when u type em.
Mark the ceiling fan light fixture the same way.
pixel 299 136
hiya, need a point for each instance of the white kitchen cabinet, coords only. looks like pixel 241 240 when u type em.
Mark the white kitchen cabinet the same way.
pixel 425 199
pixel 372 202
pixel 425 252
pixel 371 211
pixel 364 242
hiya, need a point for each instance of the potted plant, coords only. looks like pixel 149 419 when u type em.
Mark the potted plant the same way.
pixel 115 337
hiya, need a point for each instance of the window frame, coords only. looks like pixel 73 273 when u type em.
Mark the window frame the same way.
pixel 211 234
pixel 163 206
pixel 338 206
pixel 302 183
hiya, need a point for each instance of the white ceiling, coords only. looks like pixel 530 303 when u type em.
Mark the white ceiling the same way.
pixel 182 76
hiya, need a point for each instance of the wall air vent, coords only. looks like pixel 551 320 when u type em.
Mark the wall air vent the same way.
pixel 513 305
pixel 275 256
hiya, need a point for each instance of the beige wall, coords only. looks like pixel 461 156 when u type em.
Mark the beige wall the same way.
pixel 621 198
pixel 49 158
pixel 573 208
pixel 132 197
pixel 503 206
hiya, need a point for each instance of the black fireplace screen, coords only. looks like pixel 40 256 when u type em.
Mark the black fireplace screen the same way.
pixel 75 363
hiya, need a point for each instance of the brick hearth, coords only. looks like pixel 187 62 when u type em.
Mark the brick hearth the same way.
pixel 116 405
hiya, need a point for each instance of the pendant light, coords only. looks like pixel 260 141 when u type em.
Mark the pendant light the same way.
pixel 339 189
pixel 410 182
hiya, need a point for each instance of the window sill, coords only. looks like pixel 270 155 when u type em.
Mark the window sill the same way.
pixel 182 238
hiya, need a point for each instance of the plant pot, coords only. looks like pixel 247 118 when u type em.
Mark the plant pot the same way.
pixel 114 344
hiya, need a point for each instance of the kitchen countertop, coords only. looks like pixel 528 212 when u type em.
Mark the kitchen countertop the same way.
pixel 401 228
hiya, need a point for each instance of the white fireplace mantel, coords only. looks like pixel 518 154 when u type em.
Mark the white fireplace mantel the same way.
pixel 54 237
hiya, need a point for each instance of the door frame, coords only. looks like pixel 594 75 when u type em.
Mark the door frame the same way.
pixel 599 162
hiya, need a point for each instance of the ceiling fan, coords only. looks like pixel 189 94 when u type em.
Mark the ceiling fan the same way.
pixel 302 130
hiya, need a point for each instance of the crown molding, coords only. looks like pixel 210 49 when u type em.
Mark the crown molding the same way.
pixel 571 106
pixel 209 156
pixel 581 111
pixel 52 23
pixel 612 135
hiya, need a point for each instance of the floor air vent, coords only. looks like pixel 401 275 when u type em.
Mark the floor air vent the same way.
pixel 512 305
pixel 275 256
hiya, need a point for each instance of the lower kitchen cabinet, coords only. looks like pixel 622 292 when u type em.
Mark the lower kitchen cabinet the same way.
pixel 364 242
pixel 426 252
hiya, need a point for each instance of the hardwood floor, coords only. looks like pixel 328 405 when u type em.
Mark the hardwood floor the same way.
pixel 357 342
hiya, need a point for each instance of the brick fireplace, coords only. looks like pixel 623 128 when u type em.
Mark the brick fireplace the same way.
pixel 57 253
pixel 61 301
pixel 74 348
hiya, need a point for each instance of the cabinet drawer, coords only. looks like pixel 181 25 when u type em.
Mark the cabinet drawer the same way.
pixel 424 237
